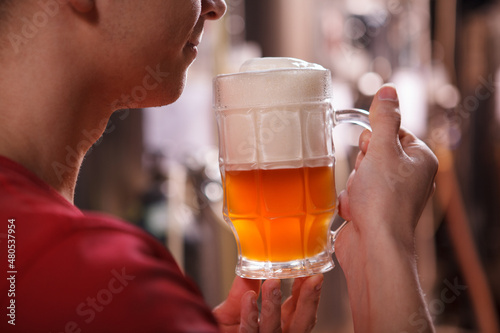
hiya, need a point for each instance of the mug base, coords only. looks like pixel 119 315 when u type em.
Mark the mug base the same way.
pixel 252 269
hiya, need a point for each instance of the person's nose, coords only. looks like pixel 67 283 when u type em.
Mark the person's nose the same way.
pixel 213 9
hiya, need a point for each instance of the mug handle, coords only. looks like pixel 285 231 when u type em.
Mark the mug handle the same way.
pixel 351 116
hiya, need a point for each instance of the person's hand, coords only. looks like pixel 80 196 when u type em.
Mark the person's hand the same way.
pixel 240 313
pixel 391 183
pixel 393 176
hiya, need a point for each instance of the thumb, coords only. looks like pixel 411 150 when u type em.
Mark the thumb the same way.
pixel 385 117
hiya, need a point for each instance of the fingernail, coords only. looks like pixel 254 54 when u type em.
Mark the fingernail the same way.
pixel 388 93
pixel 254 300
pixel 319 285
pixel 363 145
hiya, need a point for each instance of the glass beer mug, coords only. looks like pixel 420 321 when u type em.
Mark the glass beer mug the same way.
pixel 277 162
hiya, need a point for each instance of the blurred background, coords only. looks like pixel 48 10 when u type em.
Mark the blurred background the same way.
pixel 158 168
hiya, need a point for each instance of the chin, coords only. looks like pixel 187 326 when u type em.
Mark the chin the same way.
pixel 175 94
pixel 168 94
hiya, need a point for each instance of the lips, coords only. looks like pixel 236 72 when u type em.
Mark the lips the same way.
pixel 195 41
pixel 196 35
pixel 193 44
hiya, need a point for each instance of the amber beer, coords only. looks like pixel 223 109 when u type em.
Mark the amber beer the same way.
pixel 276 155
pixel 281 215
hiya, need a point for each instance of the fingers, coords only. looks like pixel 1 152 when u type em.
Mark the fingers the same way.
pixel 359 158
pixel 289 306
pixel 386 121
pixel 385 117
pixel 364 140
pixel 270 316
pixel 344 206
pixel 416 148
pixel 407 138
pixel 228 313
pixel 298 314
pixel 249 322
pixel 300 310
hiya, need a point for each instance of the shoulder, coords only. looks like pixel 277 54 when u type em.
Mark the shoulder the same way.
pixel 135 275
pixel 103 275
pixel 90 272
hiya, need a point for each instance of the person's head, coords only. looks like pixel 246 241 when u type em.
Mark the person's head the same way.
pixel 140 49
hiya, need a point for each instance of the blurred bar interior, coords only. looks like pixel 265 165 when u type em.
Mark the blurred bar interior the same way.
pixel 158 168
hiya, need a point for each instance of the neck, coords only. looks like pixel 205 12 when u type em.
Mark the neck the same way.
pixel 46 126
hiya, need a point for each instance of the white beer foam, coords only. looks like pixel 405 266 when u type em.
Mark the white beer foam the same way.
pixel 263 64
pixel 274 114
pixel 272 81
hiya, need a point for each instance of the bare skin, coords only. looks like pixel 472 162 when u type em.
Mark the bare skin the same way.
pixel 61 84
pixel 385 196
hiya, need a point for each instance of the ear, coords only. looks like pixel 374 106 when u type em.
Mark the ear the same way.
pixel 82 6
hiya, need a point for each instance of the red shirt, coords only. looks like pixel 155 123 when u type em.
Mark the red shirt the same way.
pixel 80 272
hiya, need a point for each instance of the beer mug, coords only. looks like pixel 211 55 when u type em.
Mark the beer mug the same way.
pixel 277 162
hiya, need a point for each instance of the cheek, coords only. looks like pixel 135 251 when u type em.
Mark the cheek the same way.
pixel 197 7
pixel 187 15
pixel 170 23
